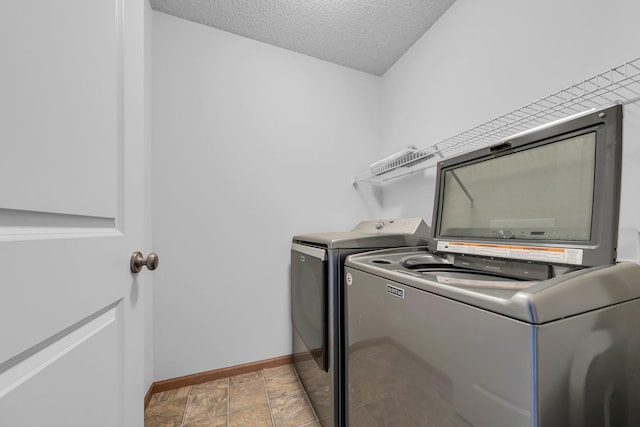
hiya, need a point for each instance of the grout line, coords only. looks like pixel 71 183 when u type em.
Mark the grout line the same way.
pixel 228 402
pixel 264 383
pixel 184 411
pixel 305 396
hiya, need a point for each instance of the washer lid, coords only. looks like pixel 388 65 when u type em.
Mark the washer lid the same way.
pixel 549 195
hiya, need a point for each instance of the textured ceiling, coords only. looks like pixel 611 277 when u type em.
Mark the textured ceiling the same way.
pixel 367 35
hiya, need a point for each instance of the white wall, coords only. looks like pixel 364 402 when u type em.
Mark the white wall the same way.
pixel 484 59
pixel 252 144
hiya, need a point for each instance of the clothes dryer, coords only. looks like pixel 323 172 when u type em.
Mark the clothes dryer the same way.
pixel 317 304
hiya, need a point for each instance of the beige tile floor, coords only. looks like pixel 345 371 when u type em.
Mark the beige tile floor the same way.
pixel 271 398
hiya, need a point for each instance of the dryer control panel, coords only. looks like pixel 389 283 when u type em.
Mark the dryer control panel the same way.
pixel 415 226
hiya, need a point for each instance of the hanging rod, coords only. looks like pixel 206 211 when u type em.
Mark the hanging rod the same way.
pixel 617 85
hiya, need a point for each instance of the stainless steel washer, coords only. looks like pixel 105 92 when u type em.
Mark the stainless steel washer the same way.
pixel 521 312
pixel 317 304
pixel 432 345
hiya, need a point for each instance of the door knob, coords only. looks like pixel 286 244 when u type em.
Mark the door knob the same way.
pixel 138 261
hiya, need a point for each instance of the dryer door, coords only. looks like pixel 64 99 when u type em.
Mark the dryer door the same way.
pixel 309 299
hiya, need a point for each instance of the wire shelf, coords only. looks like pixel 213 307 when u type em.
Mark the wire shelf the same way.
pixel 618 85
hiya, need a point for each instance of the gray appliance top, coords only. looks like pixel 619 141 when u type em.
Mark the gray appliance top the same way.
pixel 568 293
pixel 372 234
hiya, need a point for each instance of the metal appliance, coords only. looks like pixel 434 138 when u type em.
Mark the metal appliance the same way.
pixel 522 311
pixel 317 307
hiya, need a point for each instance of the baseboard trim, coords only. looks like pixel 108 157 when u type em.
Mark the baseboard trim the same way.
pixel 203 377
pixel 147 397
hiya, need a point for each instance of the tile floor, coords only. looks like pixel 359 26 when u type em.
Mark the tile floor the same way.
pixel 271 398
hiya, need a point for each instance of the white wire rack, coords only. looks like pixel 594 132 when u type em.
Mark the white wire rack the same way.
pixel 618 85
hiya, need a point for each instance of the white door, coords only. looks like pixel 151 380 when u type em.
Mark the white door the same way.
pixel 71 212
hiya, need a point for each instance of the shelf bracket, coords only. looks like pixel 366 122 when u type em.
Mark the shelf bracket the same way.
pixel 462 187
